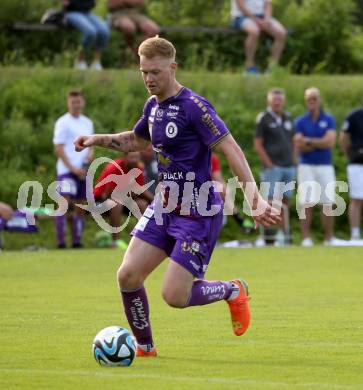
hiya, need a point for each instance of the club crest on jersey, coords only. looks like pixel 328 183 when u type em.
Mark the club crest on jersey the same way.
pixel 171 130
pixel 159 114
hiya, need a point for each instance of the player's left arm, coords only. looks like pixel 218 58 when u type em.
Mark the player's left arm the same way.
pixel 263 212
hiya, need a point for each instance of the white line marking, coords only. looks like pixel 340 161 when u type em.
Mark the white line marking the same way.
pixel 194 379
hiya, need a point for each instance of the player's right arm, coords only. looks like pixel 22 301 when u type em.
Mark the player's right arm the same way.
pixel 262 212
pixel 126 141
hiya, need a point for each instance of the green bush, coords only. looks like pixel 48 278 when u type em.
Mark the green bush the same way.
pixel 325 36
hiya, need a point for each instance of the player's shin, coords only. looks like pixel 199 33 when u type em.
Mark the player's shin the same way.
pixel 136 308
pixel 60 226
pixel 205 292
pixel 77 229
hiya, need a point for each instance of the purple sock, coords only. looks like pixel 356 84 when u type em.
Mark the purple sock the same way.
pixel 205 292
pixel 2 223
pixel 77 229
pixel 60 226
pixel 137 312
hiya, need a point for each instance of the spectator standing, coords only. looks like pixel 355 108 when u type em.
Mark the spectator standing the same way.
pixel 72 166
pixel 103 192
pixel 254 17
pixel 94 31
pixel 351 141
pixel 315 139
pixel 127 16
pixel 274 145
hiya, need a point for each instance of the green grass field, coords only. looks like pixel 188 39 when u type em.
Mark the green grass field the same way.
pixel 306 330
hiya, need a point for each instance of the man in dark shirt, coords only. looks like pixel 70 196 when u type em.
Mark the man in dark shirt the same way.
pixel 351 141
pixel 274 145
pixel 94 31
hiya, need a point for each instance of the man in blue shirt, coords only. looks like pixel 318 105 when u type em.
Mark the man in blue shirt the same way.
pixel 315 138
pixel 351 141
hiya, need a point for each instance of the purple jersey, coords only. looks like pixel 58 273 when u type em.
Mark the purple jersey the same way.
pixel 183 129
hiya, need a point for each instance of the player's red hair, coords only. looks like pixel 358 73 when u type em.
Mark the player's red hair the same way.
pixel 157 47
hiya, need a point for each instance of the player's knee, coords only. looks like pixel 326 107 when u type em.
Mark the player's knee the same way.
pixel 128 279
pixel 174 298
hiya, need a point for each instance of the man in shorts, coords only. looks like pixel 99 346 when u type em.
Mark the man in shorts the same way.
pixel 72 167
pixel 127 17
pixel 315 139
pixel 274 145
pixel 254 17
pixel 351 141
pixel 185 219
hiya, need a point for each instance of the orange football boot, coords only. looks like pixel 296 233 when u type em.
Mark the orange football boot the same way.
pixel 141 353
pixel 240 308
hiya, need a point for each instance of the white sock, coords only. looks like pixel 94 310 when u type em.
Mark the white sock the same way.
pixel 146 347
pixel 355 233
pixel 234 293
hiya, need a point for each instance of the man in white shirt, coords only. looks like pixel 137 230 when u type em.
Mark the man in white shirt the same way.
pixel 254 16
pixel 71 165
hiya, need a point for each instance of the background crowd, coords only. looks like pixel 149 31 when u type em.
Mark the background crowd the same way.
pixel 299 147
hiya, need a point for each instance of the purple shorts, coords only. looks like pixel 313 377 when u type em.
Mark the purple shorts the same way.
pixel 70 185
pixel 189 241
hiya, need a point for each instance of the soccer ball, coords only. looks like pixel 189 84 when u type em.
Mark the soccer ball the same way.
pixel 114 346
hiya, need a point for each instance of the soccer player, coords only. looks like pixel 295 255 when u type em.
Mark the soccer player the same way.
pixel 71 166
pixel 183 128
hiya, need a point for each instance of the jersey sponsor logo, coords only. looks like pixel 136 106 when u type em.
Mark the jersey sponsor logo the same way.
pixel 141 224
pixel 215 290
pixel 208 120
pixel 192 247
pixel 138 314
pixel 148 212
pixel 172 176
pixel 288 125
pixel 171 130
pixel 174 107
pixel 323 124
pixel 199 103
pixel 172 114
